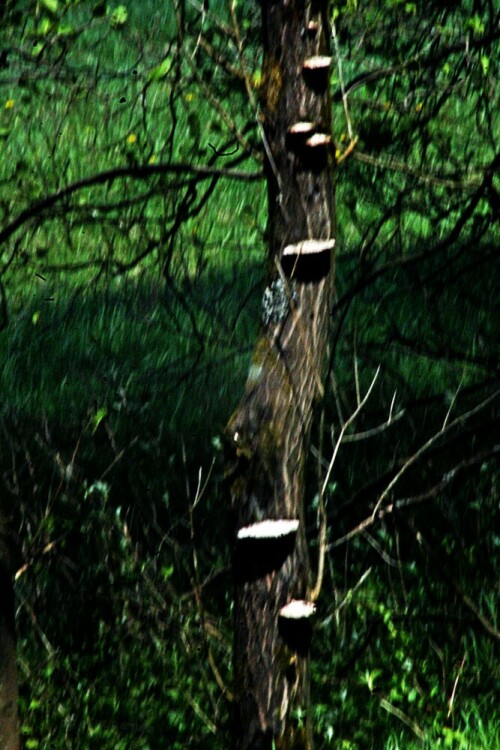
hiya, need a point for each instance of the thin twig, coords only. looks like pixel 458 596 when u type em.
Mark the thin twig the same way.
pixel 415 500
pixel 348 597
pixel 346 424
pixel 394 165
pixel 455 683
pixel 322 542
pixel 137 172
pixel 403 717
pixel 412 459
pixel 357 436
pixel 356 372
pixel 341 81
pixel 452 402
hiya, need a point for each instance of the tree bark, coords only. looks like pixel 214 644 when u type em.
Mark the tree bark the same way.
pixel 269 431
pixel 9 730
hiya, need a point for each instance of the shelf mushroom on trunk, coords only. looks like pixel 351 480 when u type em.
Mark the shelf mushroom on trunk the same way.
pixel 316 71
pixel 295 625
pixel 263 547
pixel 308 260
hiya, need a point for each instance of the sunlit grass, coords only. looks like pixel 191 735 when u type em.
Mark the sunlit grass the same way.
pixel 77 337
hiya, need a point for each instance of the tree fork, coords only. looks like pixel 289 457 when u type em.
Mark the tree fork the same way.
pixel 269 431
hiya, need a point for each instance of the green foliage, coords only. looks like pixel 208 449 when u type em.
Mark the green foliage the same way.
pixel 132 308
pixel 118 16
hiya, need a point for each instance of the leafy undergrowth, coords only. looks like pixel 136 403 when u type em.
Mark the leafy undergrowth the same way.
pixel 130 324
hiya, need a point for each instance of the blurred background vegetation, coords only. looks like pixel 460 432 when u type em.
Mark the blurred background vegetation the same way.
pixel 130 287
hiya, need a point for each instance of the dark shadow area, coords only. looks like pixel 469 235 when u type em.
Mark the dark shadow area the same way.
pixel 255 558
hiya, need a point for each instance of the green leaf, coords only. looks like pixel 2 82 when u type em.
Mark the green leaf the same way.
pixel 37 49
pixel 98 417
pixel 161 71
pixel 66 31
pixel 119 16
pixel 45 27
pixel 476 24
pixel 51 6
pixel 167 572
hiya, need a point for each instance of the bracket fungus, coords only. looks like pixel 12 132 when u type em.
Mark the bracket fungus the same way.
pixel 309 143
pixel 309 247
pixel 308 260
pixel 302 128
pixel 312 28
pixel 319 140
pixel 295 624
pixel 269 529
pixel 263 547
pixel 298 609
pixel 316 71
pixel 298 133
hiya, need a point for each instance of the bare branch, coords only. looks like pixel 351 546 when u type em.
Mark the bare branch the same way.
pixel 473 181
pixel 139 172
pixel 322 546
pixel 412 459
pixel 416 499
pixel 346 424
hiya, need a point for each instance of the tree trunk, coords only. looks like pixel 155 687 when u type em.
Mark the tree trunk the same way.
pixel 268 433
pixel 9 731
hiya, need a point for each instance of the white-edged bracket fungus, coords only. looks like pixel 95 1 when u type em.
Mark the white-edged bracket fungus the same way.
pixel 319 140
pixel 309 247
pixel 316 71
pixel 294 624
pixel 317 62
pixel 263 547
pixel 309 260
pixel 312 28
pixel 302 128
pixel 298 133
pixel 268 530
pixel 309 143
pixel 298 609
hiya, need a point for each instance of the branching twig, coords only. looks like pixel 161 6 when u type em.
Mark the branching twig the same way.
pixel 473 181
pixel 412 459
pixel 415 500
pixel 455 683
pixel 137 172
pixel 345 426
pixel 321 504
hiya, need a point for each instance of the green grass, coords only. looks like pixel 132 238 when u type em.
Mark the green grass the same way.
pixel 133 342
pixel 78 337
